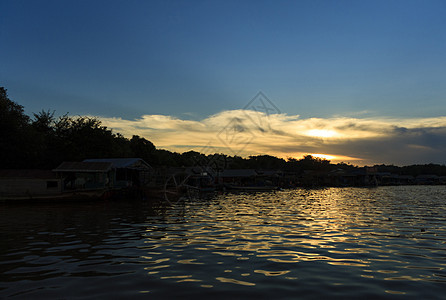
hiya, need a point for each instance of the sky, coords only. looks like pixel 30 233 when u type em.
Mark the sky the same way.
pixel 354 81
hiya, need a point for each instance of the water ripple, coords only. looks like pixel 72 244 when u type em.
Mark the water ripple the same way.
pixel 334 242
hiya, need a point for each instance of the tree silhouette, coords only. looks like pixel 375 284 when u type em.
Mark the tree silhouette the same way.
pixel 78 138
pixel 144 149
pixel 15 135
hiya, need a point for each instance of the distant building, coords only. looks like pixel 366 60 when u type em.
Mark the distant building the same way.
pixel 427 179
pixel 238 176
pixel 85 175
pixel 29 183
pixel 127 171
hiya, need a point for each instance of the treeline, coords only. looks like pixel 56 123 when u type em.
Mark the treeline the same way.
pixel 43 141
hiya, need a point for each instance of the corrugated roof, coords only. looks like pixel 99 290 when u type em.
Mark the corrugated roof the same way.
pixel 129 163
pixel 84 167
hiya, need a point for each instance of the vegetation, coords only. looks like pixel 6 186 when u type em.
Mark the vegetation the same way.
pixel 44 141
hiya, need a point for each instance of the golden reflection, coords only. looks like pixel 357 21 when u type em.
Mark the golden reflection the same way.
pixel 235 281
pixel 189 280
pixel 177 277
pixel 156 267
pixel 227 253
pixel 327 225
pixel 272 273
pixel 287 261
pixel 406 277
pixel 387 271
pixel 189 262
pixel 340 263
pixel 395 292
pixel 159 260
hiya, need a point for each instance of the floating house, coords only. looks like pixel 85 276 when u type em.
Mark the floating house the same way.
pixel 239 177
pixel 248 180
pixel 69 181
pixel 18 184
pixel 85 175
pixel 127 172
pixel 89 179
pixel 428 179
pixel 339 177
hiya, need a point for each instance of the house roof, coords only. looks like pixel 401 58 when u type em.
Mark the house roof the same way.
pixel 84 167
pixel 127 163
pixel 34 173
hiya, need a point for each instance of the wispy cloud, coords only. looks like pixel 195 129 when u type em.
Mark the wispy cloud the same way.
pixel 356 140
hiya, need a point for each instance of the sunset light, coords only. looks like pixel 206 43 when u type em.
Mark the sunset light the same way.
pixel 322 133
pixel 323 156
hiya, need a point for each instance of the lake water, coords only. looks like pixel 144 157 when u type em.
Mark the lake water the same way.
pixel 385 242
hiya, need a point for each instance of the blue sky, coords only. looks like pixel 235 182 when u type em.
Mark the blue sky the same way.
pixel 190 60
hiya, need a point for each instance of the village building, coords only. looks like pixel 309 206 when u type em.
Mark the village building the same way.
pixel 28 183
pixel 127 172
pixel 86 175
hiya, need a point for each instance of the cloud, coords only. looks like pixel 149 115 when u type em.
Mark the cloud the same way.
pixel 244 132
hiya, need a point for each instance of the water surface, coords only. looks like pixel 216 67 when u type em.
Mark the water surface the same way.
pixel 386 242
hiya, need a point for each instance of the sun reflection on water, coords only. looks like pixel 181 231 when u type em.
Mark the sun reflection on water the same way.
pixel 277 234
pixel 316 243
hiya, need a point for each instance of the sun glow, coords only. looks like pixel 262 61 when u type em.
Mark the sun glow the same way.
pixel 337 158
pixel 323 156
pixel 323 133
